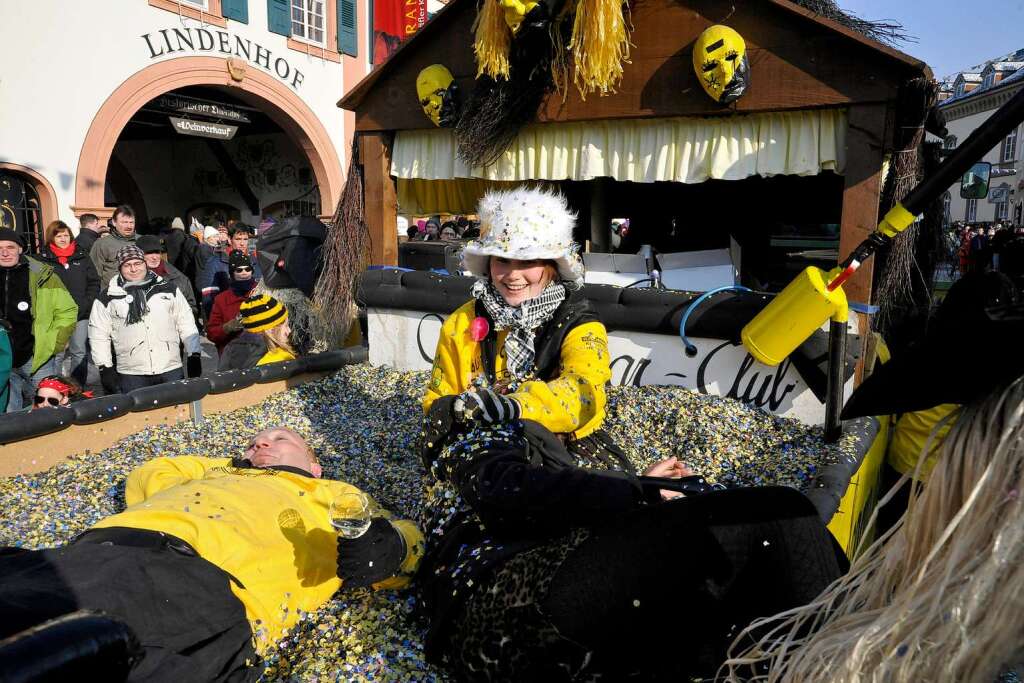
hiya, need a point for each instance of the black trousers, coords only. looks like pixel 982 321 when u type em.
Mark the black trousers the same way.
pixel 657 595
pixel 181 608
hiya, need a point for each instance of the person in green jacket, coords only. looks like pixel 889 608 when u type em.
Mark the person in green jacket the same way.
pixel 5 367
pixel 39 314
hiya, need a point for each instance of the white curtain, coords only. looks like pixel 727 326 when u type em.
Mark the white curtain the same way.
pixel 682 150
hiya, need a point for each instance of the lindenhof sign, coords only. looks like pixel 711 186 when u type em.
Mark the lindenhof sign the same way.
pixel 167 41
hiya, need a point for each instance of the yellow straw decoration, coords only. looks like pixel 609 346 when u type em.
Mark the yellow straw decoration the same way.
pixel 492 39
pixel 600 44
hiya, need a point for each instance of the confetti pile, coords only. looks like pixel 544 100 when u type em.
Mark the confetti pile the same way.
pixel 363 422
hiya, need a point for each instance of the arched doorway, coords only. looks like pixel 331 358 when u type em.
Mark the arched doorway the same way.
pixel 27 202
pixel 252 86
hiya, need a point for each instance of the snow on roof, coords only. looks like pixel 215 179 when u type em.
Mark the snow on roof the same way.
pixel 1005 66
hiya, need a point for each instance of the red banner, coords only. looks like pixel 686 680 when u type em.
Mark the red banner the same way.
pixel 393 22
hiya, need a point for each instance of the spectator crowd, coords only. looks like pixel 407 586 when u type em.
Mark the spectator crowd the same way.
pixel 134 306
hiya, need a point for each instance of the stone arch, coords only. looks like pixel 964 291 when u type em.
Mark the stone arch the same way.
pixel 256 88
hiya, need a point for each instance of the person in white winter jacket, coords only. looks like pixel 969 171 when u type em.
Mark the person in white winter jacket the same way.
pixel 145 318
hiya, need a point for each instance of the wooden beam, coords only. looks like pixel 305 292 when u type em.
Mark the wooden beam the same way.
pixel 380 198
pixel 862 189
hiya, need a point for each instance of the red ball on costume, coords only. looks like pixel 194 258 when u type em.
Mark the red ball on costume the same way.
pixel 479 328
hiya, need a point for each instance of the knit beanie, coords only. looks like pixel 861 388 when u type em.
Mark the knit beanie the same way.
pixel 238 258
pixel 177 224
pixel 129 253
pixel 210 231
pixel 262 312
pixel 8 235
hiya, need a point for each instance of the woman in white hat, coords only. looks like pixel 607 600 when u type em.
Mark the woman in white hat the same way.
pixel 527 346
pixel 548 559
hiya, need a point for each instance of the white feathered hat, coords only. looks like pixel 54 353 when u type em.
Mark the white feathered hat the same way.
pixel 525 224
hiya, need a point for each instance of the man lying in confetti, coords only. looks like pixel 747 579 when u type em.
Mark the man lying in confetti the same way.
pixel 214 559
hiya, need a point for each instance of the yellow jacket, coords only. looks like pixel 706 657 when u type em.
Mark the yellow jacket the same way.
pixel 574 402
pixel 275 355
pixel 911 435
pixel 269 529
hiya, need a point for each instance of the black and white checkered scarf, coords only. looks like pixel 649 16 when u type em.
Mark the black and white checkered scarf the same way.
pixel 521 321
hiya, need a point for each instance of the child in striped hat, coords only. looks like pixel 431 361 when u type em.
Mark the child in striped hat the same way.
pixel 265 315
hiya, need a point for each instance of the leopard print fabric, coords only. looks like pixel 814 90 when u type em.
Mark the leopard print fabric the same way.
pixel 503 634
pixel 499 632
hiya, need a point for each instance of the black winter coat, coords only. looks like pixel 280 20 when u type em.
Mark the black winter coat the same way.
pixel 86 238
pixel 79 277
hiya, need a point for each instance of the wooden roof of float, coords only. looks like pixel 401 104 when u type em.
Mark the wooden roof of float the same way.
pixel 798 60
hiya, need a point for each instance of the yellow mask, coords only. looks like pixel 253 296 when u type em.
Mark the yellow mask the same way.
pixel 515 11
pixel 720 60
pixel 432 85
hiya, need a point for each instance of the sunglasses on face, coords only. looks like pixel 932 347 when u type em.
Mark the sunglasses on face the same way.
pixel 47 399
pixel 243 269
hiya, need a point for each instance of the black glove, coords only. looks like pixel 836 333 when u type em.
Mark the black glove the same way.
pixel 194 365
pixel 232 326
pixel 373 557
pixel 489 406
pixel 110 381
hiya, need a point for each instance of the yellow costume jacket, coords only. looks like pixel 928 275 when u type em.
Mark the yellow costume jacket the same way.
pixel 269 529
pixel 571 403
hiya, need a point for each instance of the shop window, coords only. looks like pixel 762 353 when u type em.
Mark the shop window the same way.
pixel 308 21
pixel 971 213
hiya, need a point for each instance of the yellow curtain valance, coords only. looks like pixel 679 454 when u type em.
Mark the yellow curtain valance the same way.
pixel 682 150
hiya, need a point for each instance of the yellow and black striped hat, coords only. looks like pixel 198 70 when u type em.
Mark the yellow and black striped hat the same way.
pixel 262 312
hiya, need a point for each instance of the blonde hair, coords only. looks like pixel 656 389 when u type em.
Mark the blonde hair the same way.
pixel 276 339
pixel 940 596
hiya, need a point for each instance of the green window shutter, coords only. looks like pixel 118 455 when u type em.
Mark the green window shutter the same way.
pixel 235 9
pixel 348 41
pixel 279 17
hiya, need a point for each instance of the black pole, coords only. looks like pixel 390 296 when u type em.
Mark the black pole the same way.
pixel 972 150
pixel 836 374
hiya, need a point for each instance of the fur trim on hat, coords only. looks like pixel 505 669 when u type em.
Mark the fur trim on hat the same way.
pixel 525 224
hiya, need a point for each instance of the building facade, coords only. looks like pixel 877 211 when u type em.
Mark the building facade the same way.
pixel 974 98
pixel 178 107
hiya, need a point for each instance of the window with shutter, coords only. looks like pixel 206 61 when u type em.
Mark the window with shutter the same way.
pixel 348 41
pixel 235 9
pixel 278 17
pixel 308 23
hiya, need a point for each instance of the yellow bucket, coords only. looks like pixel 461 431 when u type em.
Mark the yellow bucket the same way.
pixel 793 316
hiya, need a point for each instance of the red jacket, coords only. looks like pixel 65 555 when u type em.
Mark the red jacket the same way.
pixel 225 308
